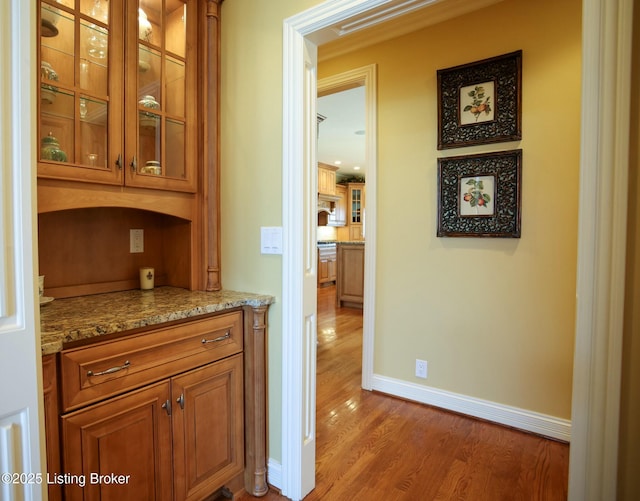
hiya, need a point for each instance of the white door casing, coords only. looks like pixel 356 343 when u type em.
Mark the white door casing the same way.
pixel 606 39
pixel 22 468
pixel 300 281
pixel 366 77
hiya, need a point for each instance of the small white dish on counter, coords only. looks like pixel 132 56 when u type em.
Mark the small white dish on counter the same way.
pixel 45 300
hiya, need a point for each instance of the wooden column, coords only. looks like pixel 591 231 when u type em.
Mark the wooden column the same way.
pixel 255 400
pixel 210 93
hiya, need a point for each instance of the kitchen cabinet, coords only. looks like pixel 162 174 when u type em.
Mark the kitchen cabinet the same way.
pixel 350 278
pixel 160 413
pixel 180 436
pixel 338 217
pixel 52 434
pixel 355 211
pixel 128 437
pixel 327 179
pixel 327 263
pixel 128 119
pixel 118 92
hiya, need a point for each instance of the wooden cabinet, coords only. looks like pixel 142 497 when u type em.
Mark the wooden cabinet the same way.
pixel 128 116
pixel 350 279
pixel 161 413
pixel 207 428
pixel 338 217
pixel 355 211
pixel 128 439
pixel 52 433
pixel 327 179
pixel 118 92
pixel 327 263
pixel 180 439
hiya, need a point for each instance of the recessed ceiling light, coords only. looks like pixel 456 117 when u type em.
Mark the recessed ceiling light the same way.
pixel 337 162
pixel 357 167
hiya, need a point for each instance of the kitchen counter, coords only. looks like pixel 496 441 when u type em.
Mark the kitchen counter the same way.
pixel 340 242
pixel 74 319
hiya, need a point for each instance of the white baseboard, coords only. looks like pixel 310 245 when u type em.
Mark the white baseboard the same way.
pixel 522 419
pixel 274 473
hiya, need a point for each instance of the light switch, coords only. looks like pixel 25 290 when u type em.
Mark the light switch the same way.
pixel 271 239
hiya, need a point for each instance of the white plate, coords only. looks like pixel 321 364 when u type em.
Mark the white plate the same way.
pixel 45 300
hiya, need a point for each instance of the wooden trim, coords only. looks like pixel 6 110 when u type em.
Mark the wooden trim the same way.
pixel 211 150
pixel 255 399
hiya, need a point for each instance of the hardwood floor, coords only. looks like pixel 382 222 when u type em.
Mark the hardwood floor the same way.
pixel 371 446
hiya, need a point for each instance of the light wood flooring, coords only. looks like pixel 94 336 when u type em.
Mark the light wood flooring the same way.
pixel 372 447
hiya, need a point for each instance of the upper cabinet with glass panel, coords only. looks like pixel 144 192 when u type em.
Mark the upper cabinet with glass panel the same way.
pixel 117 87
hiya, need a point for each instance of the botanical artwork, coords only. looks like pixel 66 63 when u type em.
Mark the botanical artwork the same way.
pixel 479 102
pixel 476 102
pixel 479 195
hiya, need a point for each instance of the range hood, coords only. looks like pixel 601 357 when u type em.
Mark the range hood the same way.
pixel 326 205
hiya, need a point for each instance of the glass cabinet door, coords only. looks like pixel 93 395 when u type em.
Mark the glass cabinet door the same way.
pixel 356 205
pixel 162 66
pixel 76 117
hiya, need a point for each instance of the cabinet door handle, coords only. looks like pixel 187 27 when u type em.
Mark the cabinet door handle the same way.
pixel 111 370
pixel 180 400
pixel 167 407
pixel 227 335
pixel 119 161
pixel 133 164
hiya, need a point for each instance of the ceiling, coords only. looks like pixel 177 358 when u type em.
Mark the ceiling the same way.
pixel 339 135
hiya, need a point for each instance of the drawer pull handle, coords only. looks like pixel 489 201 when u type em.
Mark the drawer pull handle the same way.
pixel 227 335
pixel 110 371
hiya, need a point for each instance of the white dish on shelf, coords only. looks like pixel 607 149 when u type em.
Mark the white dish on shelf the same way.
pixel 45 300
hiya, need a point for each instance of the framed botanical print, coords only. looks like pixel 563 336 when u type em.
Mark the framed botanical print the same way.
pixel 480 102
pixel 479 195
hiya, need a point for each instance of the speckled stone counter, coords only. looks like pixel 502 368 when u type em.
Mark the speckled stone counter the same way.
pixel 73 319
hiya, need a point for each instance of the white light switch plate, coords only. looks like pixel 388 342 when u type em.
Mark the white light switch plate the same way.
pixel 271 239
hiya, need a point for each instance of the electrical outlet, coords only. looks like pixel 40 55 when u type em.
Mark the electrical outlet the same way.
pixel 421 368
pixel 136 241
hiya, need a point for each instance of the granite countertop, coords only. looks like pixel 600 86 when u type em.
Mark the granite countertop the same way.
pixel 340 242
pixel 72 319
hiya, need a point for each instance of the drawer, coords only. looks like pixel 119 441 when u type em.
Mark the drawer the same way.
pixel 327 253
pixel 101 370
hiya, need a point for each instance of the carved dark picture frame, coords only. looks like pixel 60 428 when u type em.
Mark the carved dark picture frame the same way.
pixel 504 75
pixel 458 181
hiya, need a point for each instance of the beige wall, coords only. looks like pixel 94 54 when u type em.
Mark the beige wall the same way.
pixel 251 179
pixel 629 452
pixel 494 318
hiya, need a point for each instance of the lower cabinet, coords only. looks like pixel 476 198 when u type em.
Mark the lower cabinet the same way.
pixel 350 280
pixel 180 439
pixel 160 415
pixel 207 428
pixel 128 440
pixel 327 264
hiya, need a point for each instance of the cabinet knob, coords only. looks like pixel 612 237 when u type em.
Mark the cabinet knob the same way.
pixel 119 161
pixel 167 406
pixel 133 164
pixel 180 400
